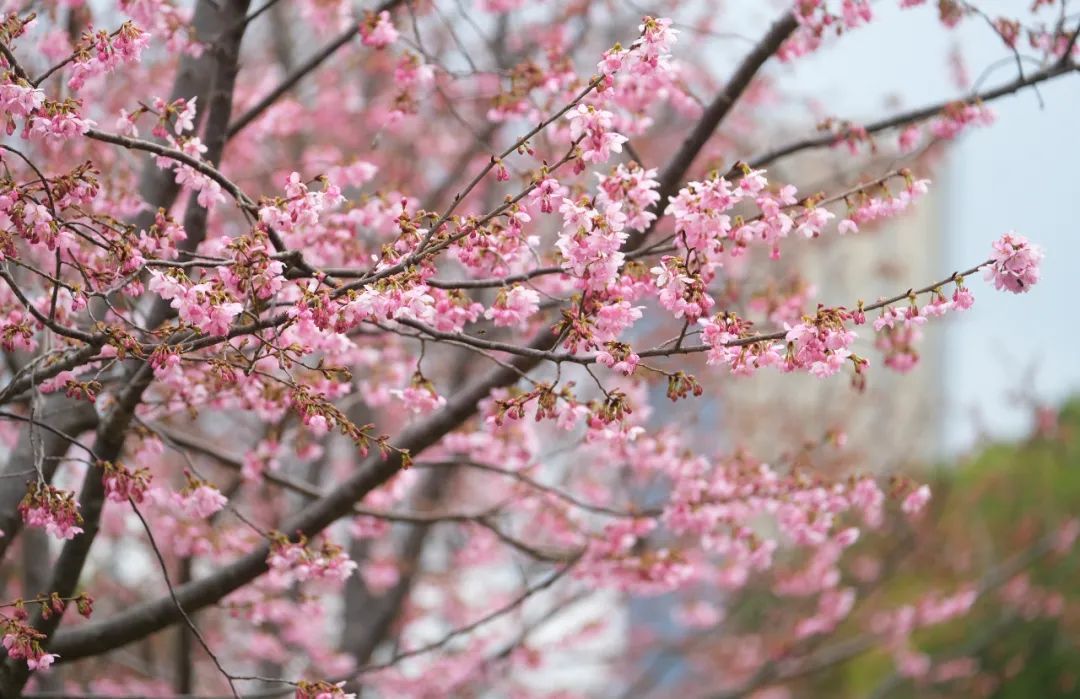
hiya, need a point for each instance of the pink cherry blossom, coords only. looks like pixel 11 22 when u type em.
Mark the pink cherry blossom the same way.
pixel 378 31
pixel 916 500
pixel 1014 266
pixel 514 306
pixel 414 358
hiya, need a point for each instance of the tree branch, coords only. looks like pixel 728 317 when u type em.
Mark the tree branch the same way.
pixel 112 433
pixel 1049 73
pixel 158 187
pixel 141 620
pixel 301 71
pixel 718 109
pixel 63 420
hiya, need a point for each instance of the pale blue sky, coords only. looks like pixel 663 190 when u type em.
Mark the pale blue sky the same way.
pixel 1019 174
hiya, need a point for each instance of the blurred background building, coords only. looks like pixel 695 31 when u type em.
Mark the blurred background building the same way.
pixel 893 423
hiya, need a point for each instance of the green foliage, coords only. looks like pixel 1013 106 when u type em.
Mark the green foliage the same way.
pixel 988 511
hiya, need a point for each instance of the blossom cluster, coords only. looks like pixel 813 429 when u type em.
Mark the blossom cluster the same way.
pixel 231 288
pixel 295 562
pixel 21 642
pixel 1014 266
pixel 54 510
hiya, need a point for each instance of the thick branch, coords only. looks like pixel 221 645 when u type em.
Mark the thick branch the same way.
pixel 673 174
pixel 158 187
pixel 301 71
pixel 107 447
pixel 112 433
pixel 369 617
pixel 220 111
pixel 141 620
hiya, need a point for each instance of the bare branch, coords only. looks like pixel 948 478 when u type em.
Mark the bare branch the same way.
pixel 1049 73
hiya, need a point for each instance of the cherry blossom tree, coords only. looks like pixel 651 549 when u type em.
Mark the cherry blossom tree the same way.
pixel 346 352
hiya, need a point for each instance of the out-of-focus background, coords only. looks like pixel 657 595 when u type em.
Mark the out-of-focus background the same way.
pixel 982 372
pixel 986 416
pixel 1020 174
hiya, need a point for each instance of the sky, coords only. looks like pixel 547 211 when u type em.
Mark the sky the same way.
pixel 1020 174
